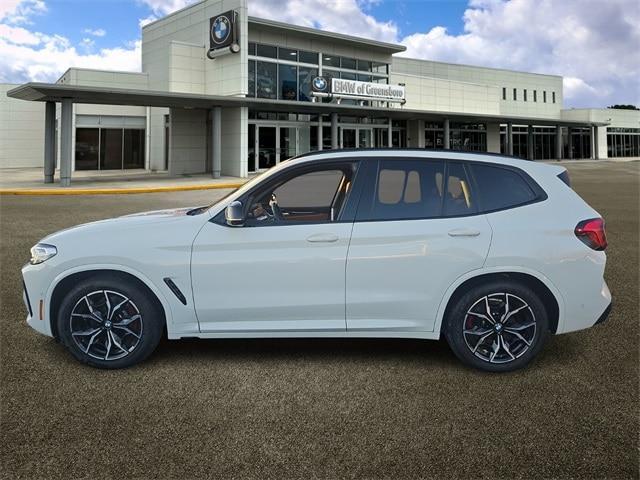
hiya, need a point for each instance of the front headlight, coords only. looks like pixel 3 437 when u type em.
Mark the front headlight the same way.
pixel 42 252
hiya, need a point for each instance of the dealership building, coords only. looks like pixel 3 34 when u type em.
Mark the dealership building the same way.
pixel 224 93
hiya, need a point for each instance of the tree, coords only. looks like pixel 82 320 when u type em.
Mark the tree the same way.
pixel 624 107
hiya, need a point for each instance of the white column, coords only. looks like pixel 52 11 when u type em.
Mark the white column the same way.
pixel 334 131
pixel 49 141
pixel 390 134
pixel 510 138
pixel 216 141
pixel 447 134
pixel 66 143
pixel 558 142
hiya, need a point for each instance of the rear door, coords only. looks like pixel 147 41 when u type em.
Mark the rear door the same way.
pixel 416 232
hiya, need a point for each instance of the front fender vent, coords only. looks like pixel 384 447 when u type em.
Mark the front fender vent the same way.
pixel 176 291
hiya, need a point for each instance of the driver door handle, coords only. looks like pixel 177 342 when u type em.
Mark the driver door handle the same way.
pixel 323 238
pixel 464 232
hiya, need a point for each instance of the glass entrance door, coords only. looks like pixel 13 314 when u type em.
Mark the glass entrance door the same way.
pixel 266 147
pixel 288 143
pixel 348 138
pixel 364 137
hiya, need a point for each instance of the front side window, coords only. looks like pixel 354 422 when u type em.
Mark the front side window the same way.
pixel 316 196
pixel 407 189
pixel 500 188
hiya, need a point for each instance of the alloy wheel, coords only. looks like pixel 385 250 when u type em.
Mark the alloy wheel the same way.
pixel 499 328
pixel 106 325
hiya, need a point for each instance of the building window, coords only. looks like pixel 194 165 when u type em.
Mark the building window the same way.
pixel 515 94
pixel 268 51
pixel 349 63
pixel 266 79
pixel 544 96
pixel 535 95
pixel 553 97
pixel 504 93
pixel 525 94
pixel 287 54
pixel 468 137
pixel 308 57
pixel 305 77
pixel 331 61
pixel 288 82
pixel 251 89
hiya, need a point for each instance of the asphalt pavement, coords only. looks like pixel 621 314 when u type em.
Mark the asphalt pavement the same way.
pixel 319 408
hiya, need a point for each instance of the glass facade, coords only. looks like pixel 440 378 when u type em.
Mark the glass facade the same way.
pixel 468 137
pixel 462 136
pixel 544 138
pixel 580 146
pixel 109 148
pixel 623 142
pixel 286 74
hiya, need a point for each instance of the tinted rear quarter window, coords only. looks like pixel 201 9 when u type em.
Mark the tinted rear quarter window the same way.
pixel 501 188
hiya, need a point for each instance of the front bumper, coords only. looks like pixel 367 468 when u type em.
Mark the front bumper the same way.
pixel 605 314
pixel 34 289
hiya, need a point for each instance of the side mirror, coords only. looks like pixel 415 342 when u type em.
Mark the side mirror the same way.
pixel 233 214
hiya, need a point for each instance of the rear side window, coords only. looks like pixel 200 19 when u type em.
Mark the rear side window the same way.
pixel 501 188
pixel 458 199
pixel 408 189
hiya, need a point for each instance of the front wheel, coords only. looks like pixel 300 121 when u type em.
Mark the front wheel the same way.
pixel 497 327
pixel 109 323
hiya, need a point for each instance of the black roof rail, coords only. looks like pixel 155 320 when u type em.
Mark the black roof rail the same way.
pixel 407 149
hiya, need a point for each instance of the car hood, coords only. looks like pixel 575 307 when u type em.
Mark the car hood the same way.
pixel 127 224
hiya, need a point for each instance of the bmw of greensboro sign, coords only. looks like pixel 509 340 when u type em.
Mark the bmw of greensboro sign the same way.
pixel 366 89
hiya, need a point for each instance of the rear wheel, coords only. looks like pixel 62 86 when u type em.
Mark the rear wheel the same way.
pixel 108 323
pixel 497 327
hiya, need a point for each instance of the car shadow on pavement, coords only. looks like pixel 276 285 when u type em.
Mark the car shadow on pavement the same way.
pixel 278 349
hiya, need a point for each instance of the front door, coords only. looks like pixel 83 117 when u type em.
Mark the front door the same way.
pixel 409 244
pixel 284 269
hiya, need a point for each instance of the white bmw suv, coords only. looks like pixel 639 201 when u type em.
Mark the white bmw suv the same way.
pixel 493 253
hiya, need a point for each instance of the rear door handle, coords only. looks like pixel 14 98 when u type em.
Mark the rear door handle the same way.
pixel 464 232
pixel 323 238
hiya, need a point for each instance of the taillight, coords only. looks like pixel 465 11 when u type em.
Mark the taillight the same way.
pixel 591 232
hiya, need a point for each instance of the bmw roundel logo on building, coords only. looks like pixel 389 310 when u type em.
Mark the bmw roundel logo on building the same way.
pixel 220 30
pixel 223 32
pixel 320 84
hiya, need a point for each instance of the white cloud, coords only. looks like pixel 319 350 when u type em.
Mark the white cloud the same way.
pixel 164 7
pixel 98 32
pixel 593 44
pixel 19 11
pixel 49 59
pixel 19 35
pixel 343 16
pixel 147 20
pixel 34 56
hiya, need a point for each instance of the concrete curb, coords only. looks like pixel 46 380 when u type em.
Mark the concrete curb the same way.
pixel 115 191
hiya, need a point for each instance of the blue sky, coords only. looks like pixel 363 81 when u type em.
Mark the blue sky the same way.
pixel 593 44
pixel 119 18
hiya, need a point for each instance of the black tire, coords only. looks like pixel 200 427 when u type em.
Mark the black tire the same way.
pixel 463 317
pixel 133 346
